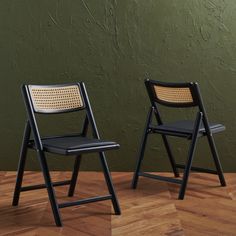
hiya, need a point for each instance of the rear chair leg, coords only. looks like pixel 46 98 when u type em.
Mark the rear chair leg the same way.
pixel 190 156
pixel 170 155
pixel 21 166
pixel 109 183
pixel 51 193
pixel 74 176
pixel 167 145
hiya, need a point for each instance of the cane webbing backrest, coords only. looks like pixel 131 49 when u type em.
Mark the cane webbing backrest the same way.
pixel 173 95
pixel 55 99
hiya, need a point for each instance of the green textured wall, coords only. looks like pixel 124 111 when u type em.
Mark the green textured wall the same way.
pixel 112 46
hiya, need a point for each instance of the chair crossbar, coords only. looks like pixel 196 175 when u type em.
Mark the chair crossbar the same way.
pixel 161 178
pixel 85 201
pixel 198 169
pixel 40 186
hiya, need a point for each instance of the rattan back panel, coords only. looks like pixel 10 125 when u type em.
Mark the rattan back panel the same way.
pixel 55 99
pixel 174 95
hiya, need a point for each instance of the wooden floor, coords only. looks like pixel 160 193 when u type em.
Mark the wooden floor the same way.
pixel 152 209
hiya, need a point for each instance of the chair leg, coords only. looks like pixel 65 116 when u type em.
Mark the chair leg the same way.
pixel 21 166
pixel 49 186
pixel 170 155
pixel 216 160
pixel 190 156
pixel 74 176
pixel 141 151
pixel 187 171
pixel 109 183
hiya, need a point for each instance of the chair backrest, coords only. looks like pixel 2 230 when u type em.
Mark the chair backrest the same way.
pixel 173 94
pixel 55 98
pixel 176 95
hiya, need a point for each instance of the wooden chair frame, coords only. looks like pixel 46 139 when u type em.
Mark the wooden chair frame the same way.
pixel 201 117
pixel 31 127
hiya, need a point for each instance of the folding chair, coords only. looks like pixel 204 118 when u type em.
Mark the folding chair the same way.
pixel 178 95
pixel 54 99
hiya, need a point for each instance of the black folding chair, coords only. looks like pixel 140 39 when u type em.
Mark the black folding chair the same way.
pixel 178 95
pixel 53 99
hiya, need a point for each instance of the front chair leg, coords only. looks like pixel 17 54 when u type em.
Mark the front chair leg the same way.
pixel 142 150
pixel 139 161
pixel 21 166
pixel 49 186
pixel 190 156
pixel 109 183
pixel 74 176
pixel 216 159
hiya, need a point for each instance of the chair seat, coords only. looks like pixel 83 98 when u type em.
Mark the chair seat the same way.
pixel 184 128
pixel 71 145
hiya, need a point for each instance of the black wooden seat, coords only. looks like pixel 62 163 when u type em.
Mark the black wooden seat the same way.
pixel 184 128
pixel 74 145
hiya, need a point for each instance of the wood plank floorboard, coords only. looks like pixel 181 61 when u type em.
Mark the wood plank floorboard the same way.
pixel 152 209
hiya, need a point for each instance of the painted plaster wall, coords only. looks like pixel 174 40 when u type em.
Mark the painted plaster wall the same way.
pixel 112 45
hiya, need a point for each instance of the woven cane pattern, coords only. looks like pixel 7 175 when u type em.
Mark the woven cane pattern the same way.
pixel 173 95
pixel 55 99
